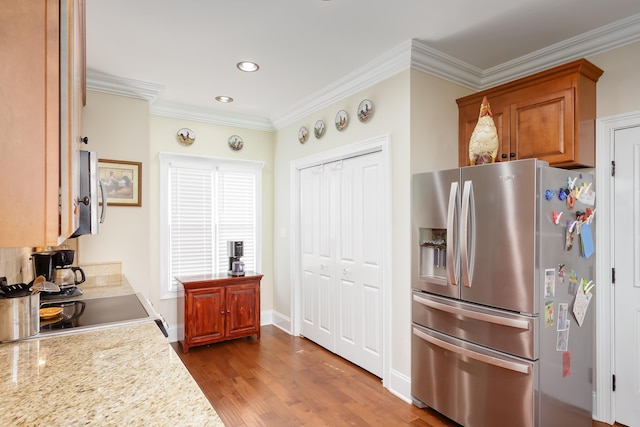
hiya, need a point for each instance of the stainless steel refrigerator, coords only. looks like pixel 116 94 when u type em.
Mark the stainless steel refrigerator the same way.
pixel 502 317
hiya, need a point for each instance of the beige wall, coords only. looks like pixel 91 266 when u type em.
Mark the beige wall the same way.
pixel 121 128
pixel 434 122
pixel 619 86
pixel 118 129
pixel 212 141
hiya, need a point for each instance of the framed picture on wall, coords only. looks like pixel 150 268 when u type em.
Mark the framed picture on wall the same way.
pixel 122 181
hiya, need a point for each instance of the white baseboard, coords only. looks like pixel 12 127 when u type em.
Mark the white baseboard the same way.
pixel 173 333
pixel 400 386
pixel 281 322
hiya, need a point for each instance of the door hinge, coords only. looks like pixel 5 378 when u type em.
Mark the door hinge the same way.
pixel 613 168
pixel 613 275
pixel 613 382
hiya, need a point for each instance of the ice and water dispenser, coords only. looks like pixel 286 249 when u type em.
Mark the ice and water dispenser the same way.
pixel 433 252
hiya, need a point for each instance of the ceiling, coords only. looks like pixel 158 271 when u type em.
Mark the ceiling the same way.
pixel 181 54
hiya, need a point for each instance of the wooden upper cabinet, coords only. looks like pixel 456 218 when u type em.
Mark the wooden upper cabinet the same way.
pixel 549 115
pixel 43 70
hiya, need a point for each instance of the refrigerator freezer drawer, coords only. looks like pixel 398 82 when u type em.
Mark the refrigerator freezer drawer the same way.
pixel 473 386
pixel 500 330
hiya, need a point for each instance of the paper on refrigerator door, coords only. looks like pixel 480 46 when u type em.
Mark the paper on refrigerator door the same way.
pixel 581 304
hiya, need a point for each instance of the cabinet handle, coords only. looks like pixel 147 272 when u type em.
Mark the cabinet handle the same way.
pixel 85 200
pixel 84 139
pixel 504 155
pixel 512 155
pixel 222 312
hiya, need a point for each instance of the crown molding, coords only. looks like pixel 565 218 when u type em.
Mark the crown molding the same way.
pixel 436 63
pixel 389 64
pixel 106 83
pixel 608 37
pixel 605 38
pixel 410 54
pixel 206 115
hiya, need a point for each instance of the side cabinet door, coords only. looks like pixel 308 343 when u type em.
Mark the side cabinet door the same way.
pixel 206 317
pixel 242 310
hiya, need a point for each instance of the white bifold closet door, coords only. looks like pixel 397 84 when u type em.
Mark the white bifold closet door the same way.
pixel 341 244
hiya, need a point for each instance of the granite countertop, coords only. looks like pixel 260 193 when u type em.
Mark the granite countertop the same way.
pixel 105 286
pixel 124 375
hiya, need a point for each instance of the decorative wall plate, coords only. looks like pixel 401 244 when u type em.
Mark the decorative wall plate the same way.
pixel 236 142
pixel 186 136
pixel 365 110
pixel 318 129
pixel 303 135
pixel 342 120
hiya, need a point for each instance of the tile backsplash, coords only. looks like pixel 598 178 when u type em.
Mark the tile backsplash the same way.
pixel 14 260
pixel 11 261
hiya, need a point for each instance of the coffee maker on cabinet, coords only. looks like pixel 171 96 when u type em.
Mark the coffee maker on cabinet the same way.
pixel 235 252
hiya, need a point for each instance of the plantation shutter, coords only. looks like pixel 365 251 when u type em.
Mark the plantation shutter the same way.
pixel 205 203
pixel 236 208
pixel 191 222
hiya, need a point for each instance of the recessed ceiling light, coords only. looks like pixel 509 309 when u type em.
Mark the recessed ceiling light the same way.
pixel 247 66
pixel 224 99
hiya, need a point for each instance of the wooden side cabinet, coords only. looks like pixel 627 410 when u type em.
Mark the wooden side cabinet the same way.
pixel 217 308
pixel 549 115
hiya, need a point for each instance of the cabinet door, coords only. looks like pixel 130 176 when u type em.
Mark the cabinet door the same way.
pixel 44 43
pixel 243 308
pixel 542 127
pixel 72 90
pixel 205 319
pixel 468 118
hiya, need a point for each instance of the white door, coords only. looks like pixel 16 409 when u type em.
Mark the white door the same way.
pixel 341 245
pixel 317 271
pixel 359 267
pixel 627 267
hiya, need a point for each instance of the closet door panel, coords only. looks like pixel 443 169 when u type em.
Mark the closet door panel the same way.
pixel 370 263
pixel 349 298
pixel 360 262
pixel 316 323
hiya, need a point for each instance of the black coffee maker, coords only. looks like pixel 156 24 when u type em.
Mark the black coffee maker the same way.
pixel 56 267
pixel 235 250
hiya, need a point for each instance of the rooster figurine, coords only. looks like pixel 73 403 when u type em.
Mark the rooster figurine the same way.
pixel 483 145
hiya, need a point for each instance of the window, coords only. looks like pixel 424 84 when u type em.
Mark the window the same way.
pixel 206 202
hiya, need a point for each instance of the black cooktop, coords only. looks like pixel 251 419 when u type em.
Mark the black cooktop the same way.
pixel 93 312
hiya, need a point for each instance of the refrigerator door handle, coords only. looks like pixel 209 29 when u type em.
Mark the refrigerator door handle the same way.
pixel 467 234
pixel 452 212
pixel 500 363
pixel 483 317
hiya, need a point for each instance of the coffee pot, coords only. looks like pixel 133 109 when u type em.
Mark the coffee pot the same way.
pixel 66 277
pixel 56 267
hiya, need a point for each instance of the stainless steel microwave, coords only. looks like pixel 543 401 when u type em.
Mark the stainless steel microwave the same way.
pixel 92 191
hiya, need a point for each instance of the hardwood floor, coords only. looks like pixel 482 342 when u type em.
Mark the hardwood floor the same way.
pixel 281 380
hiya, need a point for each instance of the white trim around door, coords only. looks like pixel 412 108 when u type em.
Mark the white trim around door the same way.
pixel 604 407
pixel 381 144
